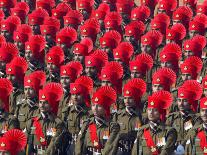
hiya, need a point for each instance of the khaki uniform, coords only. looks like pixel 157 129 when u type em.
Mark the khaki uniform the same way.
pixel 62 104
pixel 129 125
pixel 51 127
pixel 182 124
pixel 7 122
pixel 24 112
pixel 32 67
pixel 193 146
pixel 74 117
pixel 14 98
pixel 85 146
pixel 167 137
pixel 52 77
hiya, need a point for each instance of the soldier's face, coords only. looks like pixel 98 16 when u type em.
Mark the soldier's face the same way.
pixel 153 114
pixel 183 104
pixel 2 66
pixel 166 64
pixel 63 46
pixel 106 83
pixel 119 61
pixel 29 93
pixel 7 35
pixel 135 74
pixel 106 49
pixel 203 113
pixel 65 81
pixel 52 68
pixel 44 106
pixel 161 11
pixel 90 71
pixel 145 48
pixel 205 92
pixel 156 87
pixel 168 41
pixel 78 57
pixel 192 33
pixel 19 45
pixel 28 55
pixel 12 78
pixel 188 54
pixel 129 102
pixel 98 110
pixel 186 77
pixel 35 29
pixel 77 98
pixel 176 22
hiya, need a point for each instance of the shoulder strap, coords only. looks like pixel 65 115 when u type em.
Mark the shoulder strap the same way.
pixel 150 142
pixel 94 136
pixel 38 131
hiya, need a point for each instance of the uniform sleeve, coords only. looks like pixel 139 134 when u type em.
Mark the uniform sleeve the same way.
pixel 135 149
pixel 14 123
pixel 112 143
pixel 80 144
pixel 171 138
pixel 190 142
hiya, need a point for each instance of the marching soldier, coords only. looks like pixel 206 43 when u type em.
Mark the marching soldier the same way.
pixel 93 65
pixel 7 121
pixel 156 137
pixel 122 54
pixel 170 56
pixel 77 110
pixel 65 38
pixel 36 18
pixel 184 119
pixel 28 105
pixel 133 33
pixel 49 29
pixel 204 83
pixel 130 118
pixel 13 142
pixel 45 128
pixel 94 135
pixel 176 34
pixel 68 74
pixel 7 52
pixel 85 8
pixel 190 69
pixel 196 139
pixel 34 53
pixel 73 19
pixel 110 41
pixel 82 49
pixel 54 60
pixel 8 26
pixel 15 71
pixel 113 78
pixel 21 35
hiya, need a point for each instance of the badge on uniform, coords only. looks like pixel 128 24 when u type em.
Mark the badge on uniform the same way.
pixel 137 126
pixel 205 150
pixel 106 135
pixel 95 143
pixel 161 142
pixel 188 125
pixel 51 132
pixel 153 149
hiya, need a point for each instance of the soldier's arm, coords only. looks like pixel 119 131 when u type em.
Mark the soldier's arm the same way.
pixel 171 138
pixel 136 148
pixel 189 146
pixel 13 123
pixel 112 143
pixel 80 146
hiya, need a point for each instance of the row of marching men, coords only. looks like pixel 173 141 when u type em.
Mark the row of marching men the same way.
pixel 99 120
